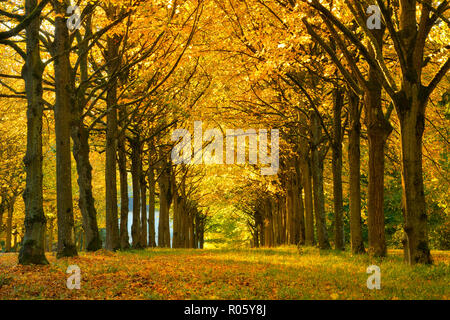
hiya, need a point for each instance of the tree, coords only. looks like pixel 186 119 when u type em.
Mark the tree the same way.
pixel 113 65
pixel 32 250
pixel 63 105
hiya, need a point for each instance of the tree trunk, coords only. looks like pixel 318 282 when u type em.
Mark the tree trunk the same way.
pixel 260 227
pixel 318 157
pixel 290 221
pixel 354 163
pixel 165 199
pixel 177 214
pixel 135 176
pixel 410 103
pixel 309 210
pixel 16 243
pixel 202 237
pixel 2 210
pixel 298 204
pixel 192 230
pixel 9 219
pixel 123 176
pixel 339 241
pixel 112 223
pixel 151 201
pixel 63 104
pixel 50 235
pixel 32 250
pixel 378 130
pixel 143 184
pixel 80 137
pixel 268 224
pixel 412 118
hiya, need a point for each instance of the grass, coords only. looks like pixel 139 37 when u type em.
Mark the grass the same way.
pixel 280 273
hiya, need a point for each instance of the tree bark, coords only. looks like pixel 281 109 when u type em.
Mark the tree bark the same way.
pixel 410 103
pixel 2 210
pixel 318 157
pixel 32 250
pixel 80 137
pixel 309 209
pixel 123 177
pixel 135 176
pixel 112 223
pixel 268 224
pixel 9 219
pixel 378 130
pixel 143 184
pixel 412 123
pixel 63 102
pixel 151 200
pixel 339 240
pixel 50 235
pixel 290 221
pixel 354 163
pixel 177 201
pixel 165 199
pixel 81 150
pixel 298 204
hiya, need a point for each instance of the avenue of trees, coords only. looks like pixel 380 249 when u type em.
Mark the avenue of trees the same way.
pixel 362 112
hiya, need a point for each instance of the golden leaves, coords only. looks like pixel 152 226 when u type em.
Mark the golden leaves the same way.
pixel 217 274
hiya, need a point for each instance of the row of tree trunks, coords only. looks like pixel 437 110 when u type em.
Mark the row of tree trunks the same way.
pixel 68 122
pixel 293 216
pixel 410 35
pixel 188 221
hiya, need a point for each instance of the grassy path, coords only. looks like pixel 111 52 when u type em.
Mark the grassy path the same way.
pixel 225 274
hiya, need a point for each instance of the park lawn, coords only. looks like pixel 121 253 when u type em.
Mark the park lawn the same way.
pixel 280 273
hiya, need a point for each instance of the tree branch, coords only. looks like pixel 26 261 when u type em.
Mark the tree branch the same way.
pixel 25 22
